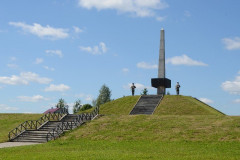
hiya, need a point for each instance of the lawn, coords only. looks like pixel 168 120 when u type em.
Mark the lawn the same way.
pixel 181 128
pixel 142 137
pixel 105 149
pixel 184 105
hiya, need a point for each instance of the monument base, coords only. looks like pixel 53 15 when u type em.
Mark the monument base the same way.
pixel 161 84
pixel 161 90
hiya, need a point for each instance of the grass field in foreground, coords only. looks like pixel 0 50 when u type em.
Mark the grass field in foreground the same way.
pixel 141 137
pixel 11 121
pixel 100 149
pixel 117 135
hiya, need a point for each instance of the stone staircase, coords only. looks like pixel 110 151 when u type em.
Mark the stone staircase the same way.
pixel 40 135
pixel 146 104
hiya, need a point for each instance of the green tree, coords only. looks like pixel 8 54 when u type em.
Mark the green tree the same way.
pixel 85 107
pixel 144 91
pixel 104 95
pixel 61 103
pixel 77 105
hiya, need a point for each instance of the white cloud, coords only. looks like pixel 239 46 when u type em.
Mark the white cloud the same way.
pixel 206 100
pixel 41 31
pixel 232 87
pixel 24 78
pixel 185 60
pixel 187 14
pixel 12 65
pixel 139 86
pixel 145 65
pixel 50 105
pixel 87 97
pixel 77 29
pixel 4 107
pixel 125 70
pixel 95 50
pixel 231 43
pixel 237 101
pixel 13 58
pixel 49 68
pixel 35 98
pixel 55 52
pixel 38 60
pixel 139 8
pixel 160 18
pixel 58 88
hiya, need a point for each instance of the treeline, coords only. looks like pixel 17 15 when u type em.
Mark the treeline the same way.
pixel 103 97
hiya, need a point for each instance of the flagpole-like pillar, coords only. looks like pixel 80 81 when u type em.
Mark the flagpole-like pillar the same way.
pixel 161 83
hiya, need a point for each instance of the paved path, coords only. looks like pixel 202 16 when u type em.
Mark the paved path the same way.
pixel 14 144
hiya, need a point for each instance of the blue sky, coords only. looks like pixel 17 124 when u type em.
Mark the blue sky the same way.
pixel 69 49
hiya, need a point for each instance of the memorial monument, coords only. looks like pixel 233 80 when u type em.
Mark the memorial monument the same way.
pixel 161 83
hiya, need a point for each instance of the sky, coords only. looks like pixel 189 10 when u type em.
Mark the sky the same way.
pixel 68 49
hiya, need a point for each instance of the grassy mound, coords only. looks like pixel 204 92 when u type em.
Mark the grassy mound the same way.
pixel 160 128
pixel 183 105
pixel 181 128
pixel 142 137
pixel 170 105
pixel 11 121
pixel 121 106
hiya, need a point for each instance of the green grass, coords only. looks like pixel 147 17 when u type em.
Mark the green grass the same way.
pixel 121 106
pixel 160 128
pixel 183 105
pixel 142 137
pixel 90 149
pixel 86 111
pixel 11 121
pixel 181 128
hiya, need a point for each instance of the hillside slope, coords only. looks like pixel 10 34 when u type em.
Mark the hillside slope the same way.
pixel 121 106
pixel 170 105
pixel 160 128
pixel 184 105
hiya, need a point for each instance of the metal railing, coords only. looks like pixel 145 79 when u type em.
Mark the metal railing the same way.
pixel 36 124
pixel 82 118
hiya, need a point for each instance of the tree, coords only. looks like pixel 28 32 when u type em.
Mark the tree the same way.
pixel 144 91
pixel 77 105
pixel 104 95
pixel 85 107
pixel 61 103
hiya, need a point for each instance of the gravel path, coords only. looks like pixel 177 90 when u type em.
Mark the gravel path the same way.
pixel 14 144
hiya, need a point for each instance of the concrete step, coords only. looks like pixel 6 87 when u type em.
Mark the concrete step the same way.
pixel 27 140
pixel 146 104
pixel 40 135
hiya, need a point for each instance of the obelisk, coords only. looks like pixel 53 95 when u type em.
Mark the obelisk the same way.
pixel 161 62
pixel 161 83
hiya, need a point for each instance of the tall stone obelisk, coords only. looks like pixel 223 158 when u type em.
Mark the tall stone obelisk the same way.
pixel 161 83
pixel 161 62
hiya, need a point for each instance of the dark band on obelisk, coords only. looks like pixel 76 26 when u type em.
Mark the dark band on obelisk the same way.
pixel 161 83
